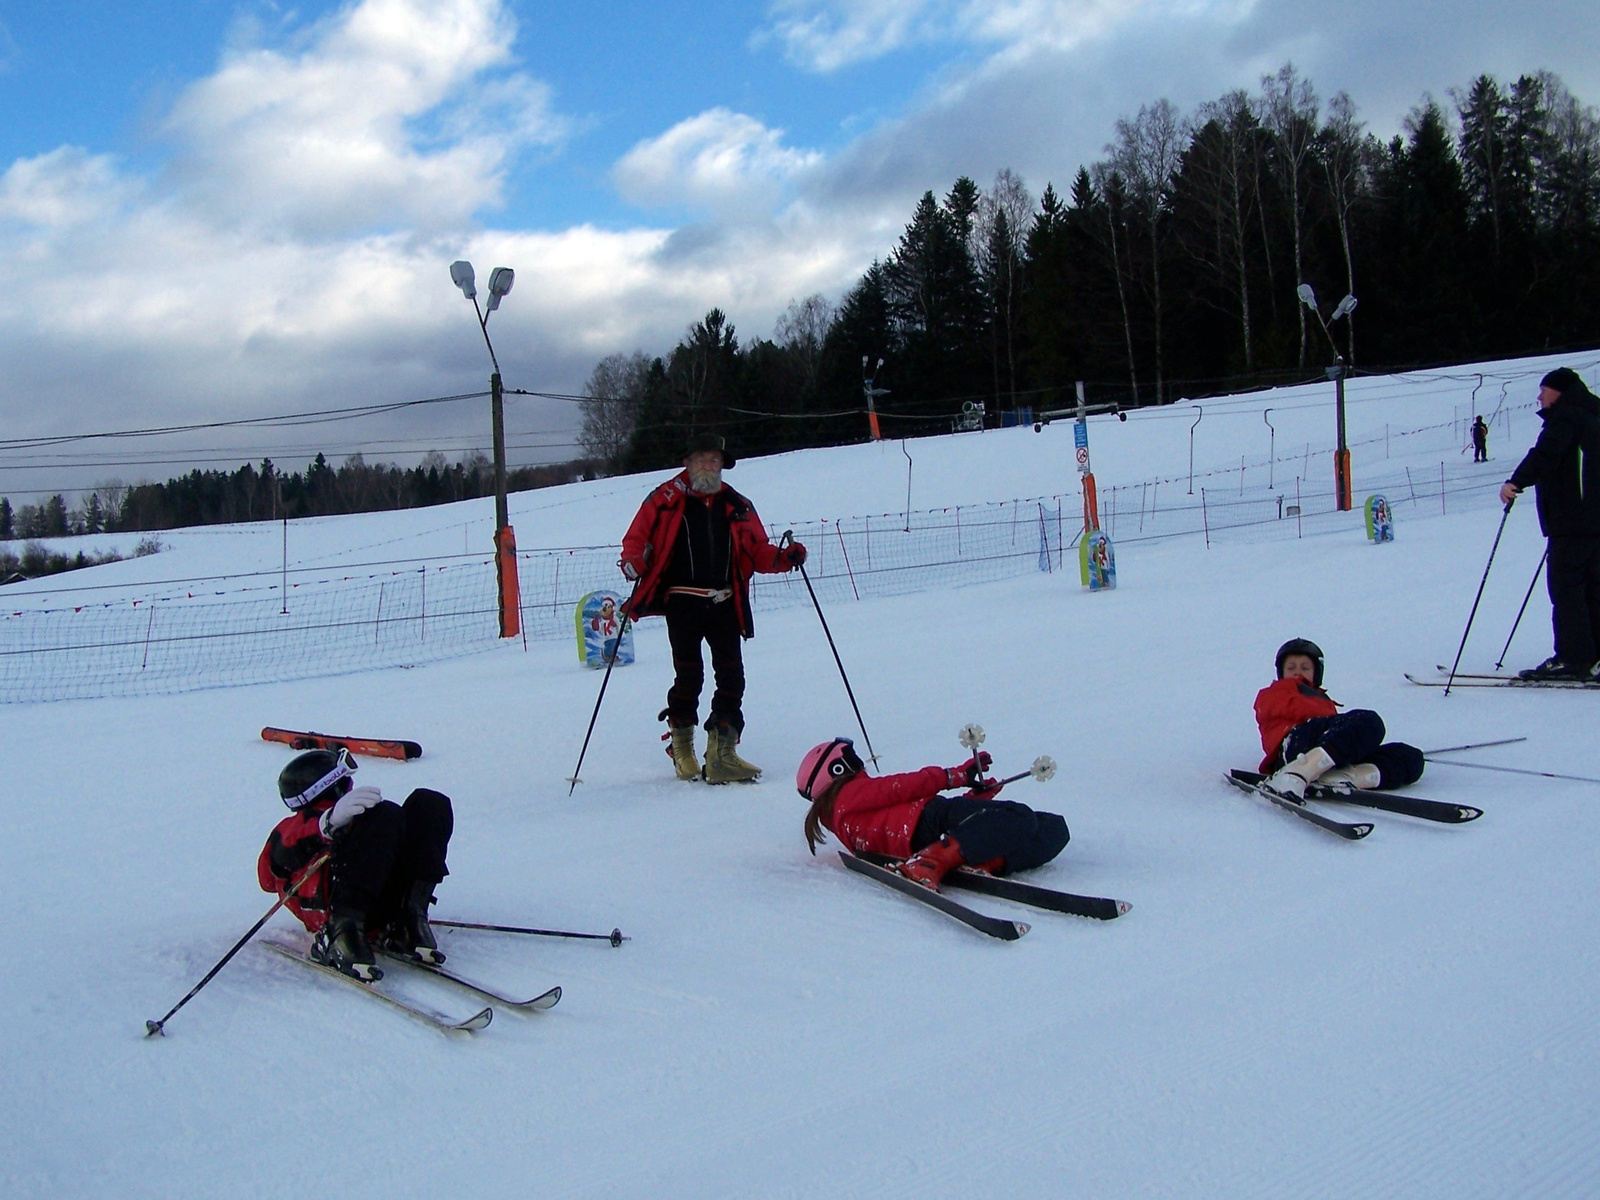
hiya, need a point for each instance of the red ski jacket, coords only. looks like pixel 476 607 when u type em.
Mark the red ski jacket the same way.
pixel 650 539
pixel 1282 706
pixel 293 844
pixel 879 812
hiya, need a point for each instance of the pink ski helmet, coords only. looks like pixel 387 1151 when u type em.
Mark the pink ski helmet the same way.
pixel 824 764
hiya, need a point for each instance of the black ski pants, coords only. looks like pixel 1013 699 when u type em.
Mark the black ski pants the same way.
pixel 1573 577
pixel 990 829
pixel 1357 737
pixel 379 855
pixel 690 621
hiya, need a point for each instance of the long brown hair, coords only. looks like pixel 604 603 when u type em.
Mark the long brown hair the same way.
pixel 820 813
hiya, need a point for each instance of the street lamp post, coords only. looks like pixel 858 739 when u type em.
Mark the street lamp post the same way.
pixel 505 540
pixel 1337 372
pixel 872 393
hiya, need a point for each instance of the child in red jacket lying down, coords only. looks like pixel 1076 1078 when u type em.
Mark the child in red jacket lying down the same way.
pixel 1308 740
pixel 906 817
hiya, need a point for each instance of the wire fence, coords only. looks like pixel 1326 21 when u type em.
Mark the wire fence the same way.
pixel 182 638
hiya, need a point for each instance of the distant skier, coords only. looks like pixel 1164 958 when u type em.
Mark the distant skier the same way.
pixel 906 817
pixel 692 548
pixel 1564 465
pixel 1308 740
pixel 1480 440
pixel 387 859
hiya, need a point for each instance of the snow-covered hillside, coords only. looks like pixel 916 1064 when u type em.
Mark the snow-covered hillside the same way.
pixel 1281 1014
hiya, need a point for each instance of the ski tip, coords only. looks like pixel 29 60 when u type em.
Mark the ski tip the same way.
pixel 547 1001
pixel 476 1022
pixel 1360 831
pixel 1123 908
pixel 1468 814
pixel 1022 927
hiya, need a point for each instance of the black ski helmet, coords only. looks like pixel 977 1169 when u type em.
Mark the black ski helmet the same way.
pixel 311 774
pixel 1302 646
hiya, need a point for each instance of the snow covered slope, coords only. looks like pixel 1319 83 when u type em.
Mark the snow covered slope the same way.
pixel 1282 1013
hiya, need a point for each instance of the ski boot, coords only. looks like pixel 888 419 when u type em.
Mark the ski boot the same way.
pixel 343 945
pixel 1346 781
pixel 409 933
pixel 1293 778
pixel 723 764
pixel 1555 668
pixel 680 749
pixel 933 862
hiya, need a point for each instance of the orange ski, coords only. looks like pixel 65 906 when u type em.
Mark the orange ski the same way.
pixel 372 747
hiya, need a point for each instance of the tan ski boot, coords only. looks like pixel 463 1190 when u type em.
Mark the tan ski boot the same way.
pixel 723 765
pixel 681 751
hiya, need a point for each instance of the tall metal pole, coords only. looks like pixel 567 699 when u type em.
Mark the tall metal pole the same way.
pixel 497 407
pixel 1341 457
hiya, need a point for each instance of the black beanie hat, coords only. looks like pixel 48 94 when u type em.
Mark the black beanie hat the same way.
pixel 1561 379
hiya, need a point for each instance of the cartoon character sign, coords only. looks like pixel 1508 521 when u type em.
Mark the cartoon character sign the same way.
pixel 1097 562
pixel 599 625
pixel 1380 520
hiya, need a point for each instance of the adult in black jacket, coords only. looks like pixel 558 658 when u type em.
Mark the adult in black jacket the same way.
pixel 1564 465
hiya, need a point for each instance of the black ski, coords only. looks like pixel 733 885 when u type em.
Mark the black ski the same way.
pixel 1508 681
pixel 1098 907
pixel 1410 806
pixel 427 1016
pixel 995 927
pixel 539 1003
pixel 1350 831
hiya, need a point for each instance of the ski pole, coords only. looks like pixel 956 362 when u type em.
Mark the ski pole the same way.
pixel 1459 649
pixel 1044 767
pixel 1472 746
pixel 783 543
pixel 1524 607
pixel 158 1028
pixel 1514 770
pixel 611 661
pixel 615 937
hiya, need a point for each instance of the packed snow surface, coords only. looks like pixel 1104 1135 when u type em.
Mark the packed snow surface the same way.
pixel 1281 1014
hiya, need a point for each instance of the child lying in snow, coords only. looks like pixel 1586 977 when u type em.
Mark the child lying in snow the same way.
pixel 904 816
pixel 1308 740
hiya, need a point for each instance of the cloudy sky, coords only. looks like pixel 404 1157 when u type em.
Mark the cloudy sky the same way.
pixel 213 210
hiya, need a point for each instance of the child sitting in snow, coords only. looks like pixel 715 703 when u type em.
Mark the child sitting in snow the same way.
pixel 1308 740
pixel 906 817
pixel 375 863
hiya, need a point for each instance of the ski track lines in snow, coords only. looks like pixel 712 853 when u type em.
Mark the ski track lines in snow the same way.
pixel 1281 1014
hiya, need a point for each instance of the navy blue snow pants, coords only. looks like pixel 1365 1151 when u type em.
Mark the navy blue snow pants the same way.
pixel 1356 737
pixel 990 829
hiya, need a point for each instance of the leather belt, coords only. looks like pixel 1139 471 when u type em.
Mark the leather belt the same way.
pixel 715 595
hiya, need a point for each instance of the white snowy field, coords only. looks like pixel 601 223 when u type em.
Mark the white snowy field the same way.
pixel 1282 1014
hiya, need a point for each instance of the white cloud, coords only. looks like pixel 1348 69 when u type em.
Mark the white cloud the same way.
pixel 721 160
pixel 825 35
pixel 368 125
pixel 66 187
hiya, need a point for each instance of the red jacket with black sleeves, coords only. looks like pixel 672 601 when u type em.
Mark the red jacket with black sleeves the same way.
pixel 879 812
pixel 650 540
pixel 1282 706
pixel 294 844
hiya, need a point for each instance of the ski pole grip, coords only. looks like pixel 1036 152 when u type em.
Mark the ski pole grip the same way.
pixel 786 540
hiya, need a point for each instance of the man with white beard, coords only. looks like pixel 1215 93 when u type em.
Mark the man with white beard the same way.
pixel 690 552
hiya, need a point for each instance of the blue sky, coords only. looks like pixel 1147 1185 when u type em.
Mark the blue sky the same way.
pixel 210 210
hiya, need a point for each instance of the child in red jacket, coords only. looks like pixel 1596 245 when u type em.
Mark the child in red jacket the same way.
pixel 1308 740
pixel 385 861
pixel 906 817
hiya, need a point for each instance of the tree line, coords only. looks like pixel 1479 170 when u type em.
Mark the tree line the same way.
pixel 253 493
pixel 1169 268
